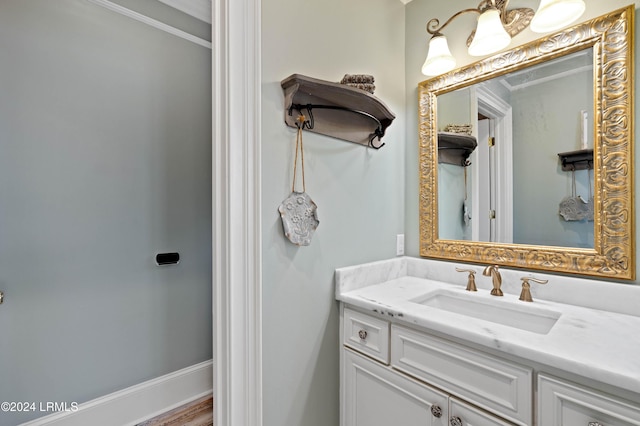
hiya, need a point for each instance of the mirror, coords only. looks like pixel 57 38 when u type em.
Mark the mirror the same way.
pixel 560 176
pixel 522 118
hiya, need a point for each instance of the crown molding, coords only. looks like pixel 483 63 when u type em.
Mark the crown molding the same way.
pixel 199 9
pixel 151 22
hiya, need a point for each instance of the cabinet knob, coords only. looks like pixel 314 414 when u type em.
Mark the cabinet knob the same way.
pixel 362 334
pixel 1 297
pixel 595 424
pixel 436 411
pixel 455 421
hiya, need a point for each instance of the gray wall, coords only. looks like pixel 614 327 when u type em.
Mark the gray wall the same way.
pixel 105 160
pixel 359 193
pixel 546 121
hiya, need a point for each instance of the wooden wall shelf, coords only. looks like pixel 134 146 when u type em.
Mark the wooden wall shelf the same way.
pixel 335 110
pixel 455 148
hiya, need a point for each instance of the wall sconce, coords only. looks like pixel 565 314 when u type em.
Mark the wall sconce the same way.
pixel 496 26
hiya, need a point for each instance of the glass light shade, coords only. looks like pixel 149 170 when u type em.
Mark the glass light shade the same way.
pixel 490 34
pixel 439 59
pixel 555 14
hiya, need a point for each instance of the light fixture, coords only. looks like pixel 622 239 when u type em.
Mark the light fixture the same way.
pixel 490 35
pixel 495 28
pixel 439 60
pixel 555 14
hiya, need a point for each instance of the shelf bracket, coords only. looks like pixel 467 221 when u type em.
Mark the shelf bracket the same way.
pixel 309 121
pixel 576 160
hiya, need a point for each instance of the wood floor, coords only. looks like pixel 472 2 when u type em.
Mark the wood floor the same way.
pixel 196 413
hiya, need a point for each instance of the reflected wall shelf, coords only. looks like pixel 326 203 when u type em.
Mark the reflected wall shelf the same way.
pixel 576 160
pixel 455 148
pixel 335 110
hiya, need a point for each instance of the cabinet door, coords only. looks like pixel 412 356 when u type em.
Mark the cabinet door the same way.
pixel 566 404
pixel 375 395
pixel 463 414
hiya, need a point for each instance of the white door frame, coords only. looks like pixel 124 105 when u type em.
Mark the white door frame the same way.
pixel 494 107
pixel 236 224
pixel 481 230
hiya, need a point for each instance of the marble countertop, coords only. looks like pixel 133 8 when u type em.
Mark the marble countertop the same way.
pixel 593 341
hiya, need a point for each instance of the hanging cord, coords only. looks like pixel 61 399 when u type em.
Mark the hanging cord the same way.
pixel 465 183
pixel 465 163
pixel 300 125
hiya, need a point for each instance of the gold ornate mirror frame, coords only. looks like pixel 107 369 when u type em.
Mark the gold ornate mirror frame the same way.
pixel 611 37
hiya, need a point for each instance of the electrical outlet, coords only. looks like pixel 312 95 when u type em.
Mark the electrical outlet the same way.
pixel 400 245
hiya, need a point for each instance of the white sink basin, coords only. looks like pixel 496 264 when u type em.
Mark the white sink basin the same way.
pixel 521 315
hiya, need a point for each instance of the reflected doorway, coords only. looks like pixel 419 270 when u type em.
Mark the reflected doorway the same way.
pixel 493 176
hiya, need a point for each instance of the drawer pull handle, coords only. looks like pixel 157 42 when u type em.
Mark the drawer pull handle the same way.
pixel 455 421
pixel 362 334
pixel 595 424
pixel 436 411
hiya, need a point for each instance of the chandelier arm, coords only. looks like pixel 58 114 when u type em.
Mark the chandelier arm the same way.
pixel 487 4
pixel 502 6
pixel 432 25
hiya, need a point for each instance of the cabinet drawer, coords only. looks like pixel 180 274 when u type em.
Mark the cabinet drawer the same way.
pixel 496 385
pixel 466 415
pixel 566 404
pixel 366 334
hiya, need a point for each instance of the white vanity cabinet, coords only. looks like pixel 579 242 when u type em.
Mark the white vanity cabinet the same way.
pixel 411 334
pixel 377 392
pixel 395 374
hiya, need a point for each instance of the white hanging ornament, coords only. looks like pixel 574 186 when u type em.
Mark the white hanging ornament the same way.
pixel 573 207
pixel 298 211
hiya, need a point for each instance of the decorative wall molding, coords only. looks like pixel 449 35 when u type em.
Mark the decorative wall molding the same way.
pixel 237 228
pixel 152 22
pixel 139 402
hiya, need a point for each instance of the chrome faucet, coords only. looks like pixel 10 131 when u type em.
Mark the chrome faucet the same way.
pixel 496 278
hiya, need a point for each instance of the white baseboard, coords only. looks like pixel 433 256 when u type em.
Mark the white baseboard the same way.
pixel 139 402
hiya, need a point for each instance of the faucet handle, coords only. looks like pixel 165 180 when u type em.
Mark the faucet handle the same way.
pixel 471 283
pixel 525 294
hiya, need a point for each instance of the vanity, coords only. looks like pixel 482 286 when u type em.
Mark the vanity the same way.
pixel 419 349
pixel 537 344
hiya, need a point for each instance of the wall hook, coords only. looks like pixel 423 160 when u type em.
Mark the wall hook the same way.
pixel 308 124
pixel 307 120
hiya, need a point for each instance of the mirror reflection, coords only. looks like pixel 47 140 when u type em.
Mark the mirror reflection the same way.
pixel 500 176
